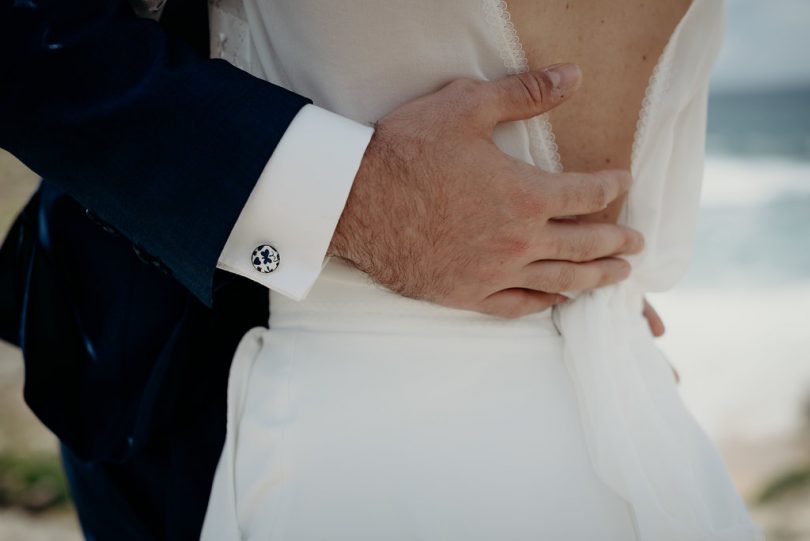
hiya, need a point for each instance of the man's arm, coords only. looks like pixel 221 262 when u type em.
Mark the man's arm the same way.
pixel 167 147
pixel 163 144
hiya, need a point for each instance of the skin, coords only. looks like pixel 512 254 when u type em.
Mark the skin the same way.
pixel 597 126
pixel 438 212
pixel 433 183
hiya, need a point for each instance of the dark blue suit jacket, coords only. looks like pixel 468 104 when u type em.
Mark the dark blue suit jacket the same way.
pixel 108 278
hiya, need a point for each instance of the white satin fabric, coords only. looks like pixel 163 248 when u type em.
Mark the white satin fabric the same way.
pixel 634 465
pixel 364 416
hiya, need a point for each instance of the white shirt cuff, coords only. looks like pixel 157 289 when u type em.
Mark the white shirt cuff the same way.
pixel 297 201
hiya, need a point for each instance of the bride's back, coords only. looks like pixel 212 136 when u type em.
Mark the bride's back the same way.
pixel 617 45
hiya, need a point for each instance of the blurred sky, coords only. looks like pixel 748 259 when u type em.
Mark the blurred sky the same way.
pixel 767 45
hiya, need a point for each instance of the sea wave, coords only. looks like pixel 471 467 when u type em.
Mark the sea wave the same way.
pixel 737 181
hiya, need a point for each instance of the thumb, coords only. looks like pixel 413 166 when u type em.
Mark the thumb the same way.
pixel 528 94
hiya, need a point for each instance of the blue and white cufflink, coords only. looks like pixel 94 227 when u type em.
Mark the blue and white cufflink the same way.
pixel 265 258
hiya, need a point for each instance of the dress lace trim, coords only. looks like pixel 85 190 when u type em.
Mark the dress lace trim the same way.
pixel 652 94
pixel 511 51
pixel 514 59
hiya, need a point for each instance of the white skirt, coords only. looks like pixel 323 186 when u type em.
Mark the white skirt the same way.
pixel 363 415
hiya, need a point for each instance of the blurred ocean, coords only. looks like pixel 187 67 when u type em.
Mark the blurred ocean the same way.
pixel 739 323
pixel 756 220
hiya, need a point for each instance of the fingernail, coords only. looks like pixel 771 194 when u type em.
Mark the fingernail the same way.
pixel 561 299
pixel 564 77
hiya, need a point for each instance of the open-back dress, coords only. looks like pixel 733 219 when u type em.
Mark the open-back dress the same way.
pixel 363 415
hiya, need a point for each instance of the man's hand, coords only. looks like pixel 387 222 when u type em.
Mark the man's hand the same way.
pixel 438 212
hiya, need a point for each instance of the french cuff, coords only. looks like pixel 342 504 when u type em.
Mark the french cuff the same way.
pixel 284 230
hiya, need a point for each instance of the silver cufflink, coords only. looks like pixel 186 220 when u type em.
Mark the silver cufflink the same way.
pixel 265 258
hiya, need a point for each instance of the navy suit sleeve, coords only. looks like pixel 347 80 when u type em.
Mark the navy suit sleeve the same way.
pixel 163 144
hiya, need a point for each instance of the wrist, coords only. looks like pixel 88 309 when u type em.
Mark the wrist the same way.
pixel 355 217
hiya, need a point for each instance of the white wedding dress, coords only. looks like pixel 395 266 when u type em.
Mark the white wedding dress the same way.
pixel 363 415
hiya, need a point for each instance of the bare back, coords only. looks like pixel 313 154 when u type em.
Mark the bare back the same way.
pixel 616 44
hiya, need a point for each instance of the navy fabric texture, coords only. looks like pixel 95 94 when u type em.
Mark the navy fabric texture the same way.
pixel 160 142
pixel 149 151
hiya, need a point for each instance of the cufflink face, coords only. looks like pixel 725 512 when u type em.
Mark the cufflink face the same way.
pixel 265 258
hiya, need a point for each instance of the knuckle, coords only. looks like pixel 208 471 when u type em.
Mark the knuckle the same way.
pixel 491 275
pixel 567 200
pixel 529 201
pixel 465 92
pixel 464 85
pixel 531 207
pixel 600 196
pixel 555 248
pixel 587 248
pixel 512 247
pixel 565 277
pixel 536 85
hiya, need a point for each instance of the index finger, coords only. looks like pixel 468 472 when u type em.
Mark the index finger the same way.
pixel 572 194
